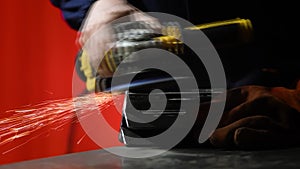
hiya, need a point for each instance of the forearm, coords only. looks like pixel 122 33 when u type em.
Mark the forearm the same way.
pixel 74 11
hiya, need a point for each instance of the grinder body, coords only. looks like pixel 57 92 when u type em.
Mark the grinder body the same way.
pixel 230 38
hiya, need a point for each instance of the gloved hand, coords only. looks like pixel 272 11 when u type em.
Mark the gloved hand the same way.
pixel 259 117
pixel 99 18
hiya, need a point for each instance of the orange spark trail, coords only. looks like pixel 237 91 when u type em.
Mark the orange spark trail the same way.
pixel 53 114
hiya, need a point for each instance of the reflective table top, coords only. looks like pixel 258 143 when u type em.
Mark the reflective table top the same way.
pixel 172 159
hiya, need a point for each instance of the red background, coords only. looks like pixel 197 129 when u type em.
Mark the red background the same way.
pixel 37 53
pixel 37 59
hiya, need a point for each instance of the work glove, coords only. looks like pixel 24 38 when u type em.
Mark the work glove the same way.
pixel 257 117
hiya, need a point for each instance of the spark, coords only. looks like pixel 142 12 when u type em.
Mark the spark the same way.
pixel 53 114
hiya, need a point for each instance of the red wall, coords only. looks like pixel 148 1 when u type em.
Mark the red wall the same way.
pixel 37 53
pixel 37 57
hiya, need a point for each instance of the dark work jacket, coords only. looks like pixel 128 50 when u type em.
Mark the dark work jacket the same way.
pixel 274 23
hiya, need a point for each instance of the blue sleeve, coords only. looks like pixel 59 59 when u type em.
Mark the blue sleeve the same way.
pixel 73 11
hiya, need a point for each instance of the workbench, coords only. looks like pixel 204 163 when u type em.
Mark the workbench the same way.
pixel 173 159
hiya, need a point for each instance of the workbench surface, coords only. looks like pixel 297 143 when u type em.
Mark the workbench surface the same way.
pixel 172 159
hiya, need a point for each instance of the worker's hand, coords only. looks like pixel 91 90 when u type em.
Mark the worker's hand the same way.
pixel 259 117
pixel 96 34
